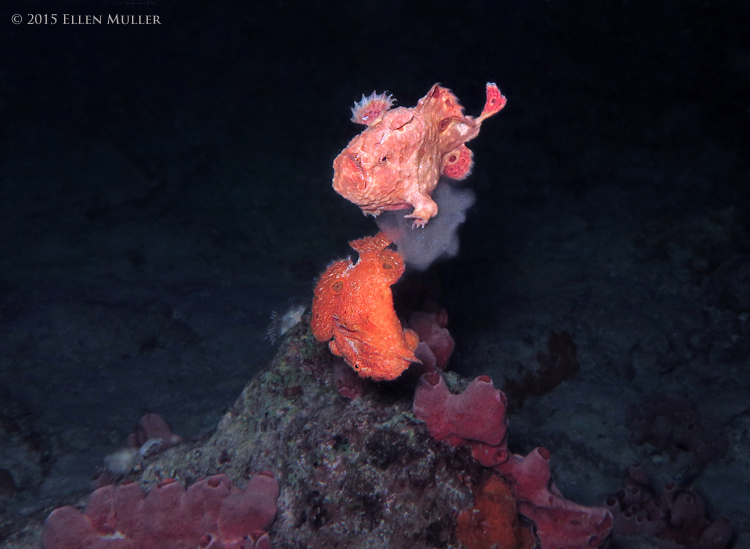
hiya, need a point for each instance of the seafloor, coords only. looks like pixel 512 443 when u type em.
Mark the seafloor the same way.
pixel 164 189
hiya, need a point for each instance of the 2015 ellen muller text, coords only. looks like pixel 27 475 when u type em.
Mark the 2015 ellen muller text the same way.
pixel 116 19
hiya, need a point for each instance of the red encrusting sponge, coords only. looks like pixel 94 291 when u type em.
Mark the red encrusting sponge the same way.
pixel 211 514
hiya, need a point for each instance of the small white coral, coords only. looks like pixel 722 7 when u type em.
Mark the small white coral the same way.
pixel 281 323
pixel 120 463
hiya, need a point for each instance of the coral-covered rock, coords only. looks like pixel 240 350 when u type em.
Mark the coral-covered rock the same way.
pixel 211 513
pixel 353 472
pixel 348 383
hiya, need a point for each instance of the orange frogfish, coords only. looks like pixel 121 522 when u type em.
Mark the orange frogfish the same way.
pixel 353 311
pixel 396 162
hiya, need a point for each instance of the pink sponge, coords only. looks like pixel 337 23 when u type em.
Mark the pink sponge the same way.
pixel 431 329
pixel 212 513
pixel 153 435
pixel 560 523
pixel 476 416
